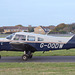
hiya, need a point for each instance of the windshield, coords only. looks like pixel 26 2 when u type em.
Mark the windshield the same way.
pixel 10 36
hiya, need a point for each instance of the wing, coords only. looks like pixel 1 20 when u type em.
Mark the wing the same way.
pixel 22 46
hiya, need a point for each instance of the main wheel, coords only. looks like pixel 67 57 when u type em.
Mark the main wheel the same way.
pixel 25 57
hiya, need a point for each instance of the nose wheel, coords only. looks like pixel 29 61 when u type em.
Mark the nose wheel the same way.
pixel 27 56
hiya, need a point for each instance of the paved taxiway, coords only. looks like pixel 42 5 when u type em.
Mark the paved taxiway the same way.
pixel 40 59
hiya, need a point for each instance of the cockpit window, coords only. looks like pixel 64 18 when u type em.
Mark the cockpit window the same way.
pixel 40 39
pixel 10 36
pixel 20 37
pixel 30 38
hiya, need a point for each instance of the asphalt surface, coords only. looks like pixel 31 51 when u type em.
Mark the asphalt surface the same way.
pixel 40 59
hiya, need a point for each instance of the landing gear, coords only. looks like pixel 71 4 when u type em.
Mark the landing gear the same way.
pixel 27 55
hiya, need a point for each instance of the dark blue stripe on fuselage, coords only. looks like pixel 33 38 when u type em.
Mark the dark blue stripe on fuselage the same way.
pixel 45 47
pixel 7 46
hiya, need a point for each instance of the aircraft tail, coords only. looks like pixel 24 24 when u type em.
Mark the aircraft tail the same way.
pixel 72 40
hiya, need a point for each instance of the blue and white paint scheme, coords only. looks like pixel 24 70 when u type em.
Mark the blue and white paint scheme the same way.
pixel 30 42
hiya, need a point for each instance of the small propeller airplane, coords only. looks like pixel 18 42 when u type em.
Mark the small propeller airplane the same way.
pixel 30 42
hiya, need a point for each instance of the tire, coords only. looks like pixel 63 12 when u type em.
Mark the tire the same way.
pixel 25 57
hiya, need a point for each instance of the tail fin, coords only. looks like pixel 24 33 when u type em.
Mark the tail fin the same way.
pixel 72 40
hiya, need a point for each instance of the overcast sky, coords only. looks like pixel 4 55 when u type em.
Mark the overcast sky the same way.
pixel 36 12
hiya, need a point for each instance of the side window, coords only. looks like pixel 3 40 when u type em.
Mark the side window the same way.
pixel 30 38
pixel 40 39
pixel 20 37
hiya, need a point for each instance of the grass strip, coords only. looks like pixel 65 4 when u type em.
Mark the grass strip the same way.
pixel 70 52
pixel 37 68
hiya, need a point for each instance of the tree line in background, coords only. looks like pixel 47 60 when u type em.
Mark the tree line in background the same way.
pixel 63 29
pixel 59 29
